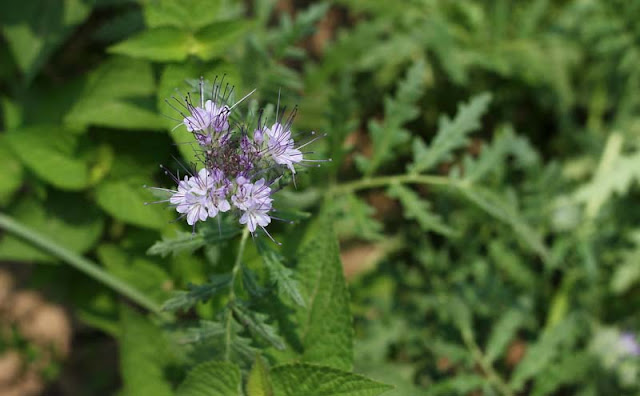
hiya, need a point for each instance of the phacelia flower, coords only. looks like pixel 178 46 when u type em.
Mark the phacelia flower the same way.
pixel 236 170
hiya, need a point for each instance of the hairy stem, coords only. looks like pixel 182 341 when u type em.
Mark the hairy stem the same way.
pixel 78 262
pixel 232 293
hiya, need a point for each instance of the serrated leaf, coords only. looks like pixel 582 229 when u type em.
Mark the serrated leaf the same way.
pixel 144 356
pixel 126 202
pixel 543 352
pixel 280 275
pixel 66 218
pixel 51 152
pixel 451 135
pixel 325 325
pixel 419 209
pixel 502 333
pixel 312 380
pixel 182 242
pixel 256 322
pixel 183 300
pixel 212 379
pixel 354 218
pixel 389 134
pixel 259 381
pixel 502 210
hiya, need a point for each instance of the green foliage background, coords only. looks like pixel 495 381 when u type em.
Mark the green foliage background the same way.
pixel 484 153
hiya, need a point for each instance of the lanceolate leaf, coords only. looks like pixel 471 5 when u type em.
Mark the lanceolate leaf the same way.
pixel 325 324
pixel 312 380
pixel 419 209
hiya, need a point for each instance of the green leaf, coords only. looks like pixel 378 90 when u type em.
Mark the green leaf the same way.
pixel 118 94
pixel 257 323
pixel 183 300
pixel 66 218
pixel 11 175
pixel 212 379
pixel 51 152
pixel 170 44
pixel 543 352
pixel 512 265
pixel 502 333
pixel 571 369
pixel 312 380
pixel 387 135
pixel 126 202
pixel 280 275
pixel 354 218
pixel 325 324
pixel 182 242
pixel 451 135
pixel 143 274
pixel 34 29
pixel 504 211
pixel 184 14
pixel 144 356
pixel 460 384
pixel 419 209
pixel 259 381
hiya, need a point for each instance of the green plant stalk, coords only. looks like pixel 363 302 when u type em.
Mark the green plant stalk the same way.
pixel 382 181
pixel 232 293
pixel 78 262
pixel 488 369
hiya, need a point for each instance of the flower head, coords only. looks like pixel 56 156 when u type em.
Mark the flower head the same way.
pixel 236 169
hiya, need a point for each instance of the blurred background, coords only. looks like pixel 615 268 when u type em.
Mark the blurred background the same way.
pixel 513 267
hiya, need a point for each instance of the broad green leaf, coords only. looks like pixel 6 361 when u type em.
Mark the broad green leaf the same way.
pixel 170 44
pixel 212 379
pixel 126 202
pixel 35 28
pixel 419 209
pixel 118 94
pixel 325 324
pixel 184 14
pixel 312 380
pixel 259 381
pixel 143 274
pixel 66 218
pixel 52 153
pixel 144 356
pixel 11 175
pixel 451 135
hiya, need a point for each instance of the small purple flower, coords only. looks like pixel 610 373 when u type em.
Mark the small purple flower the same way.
pixel 629 344
pixel 281 146
pixel 199 120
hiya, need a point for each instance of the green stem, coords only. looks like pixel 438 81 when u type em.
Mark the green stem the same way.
pixel 232 293
pixel 78 262
pixel 382 181
pixel 480 359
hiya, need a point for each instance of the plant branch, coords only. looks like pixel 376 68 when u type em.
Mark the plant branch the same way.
pixel 382 181
pixel 78 262
pixel 232 293
pixel 480 359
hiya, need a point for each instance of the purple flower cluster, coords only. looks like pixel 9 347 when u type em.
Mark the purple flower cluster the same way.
pixel 238 167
